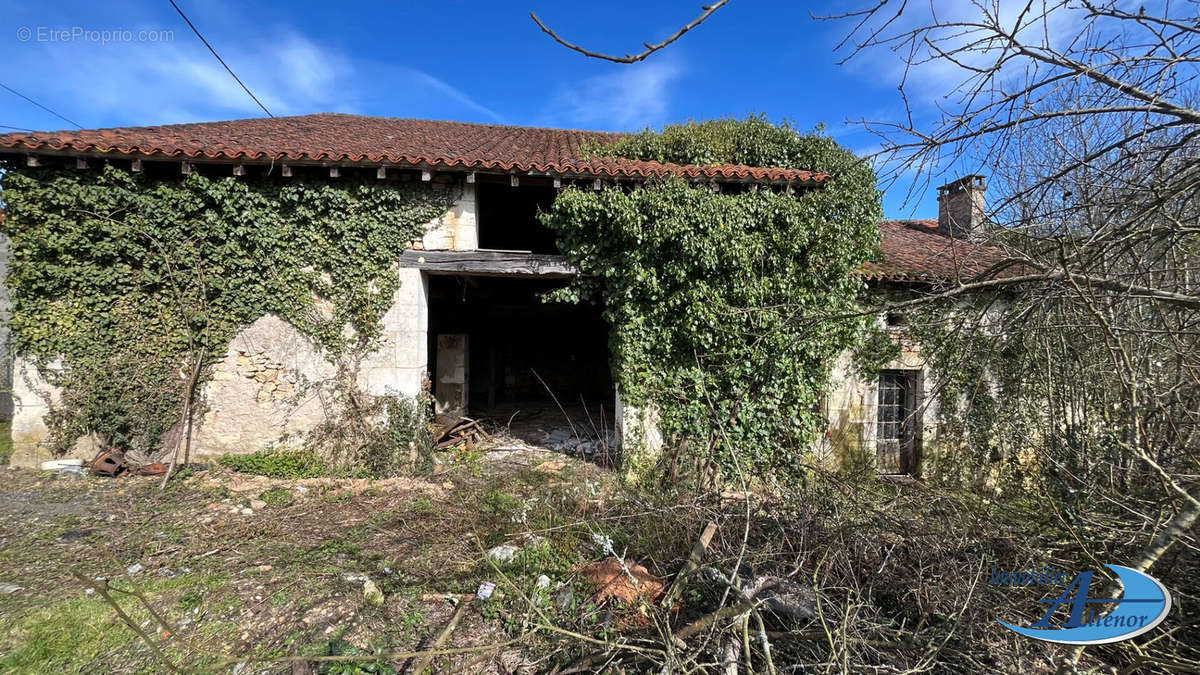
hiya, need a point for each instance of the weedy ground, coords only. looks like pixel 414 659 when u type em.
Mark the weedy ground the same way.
pixel 268 575
pixel 286 578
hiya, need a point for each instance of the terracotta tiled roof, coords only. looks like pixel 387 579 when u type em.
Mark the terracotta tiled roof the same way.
pixel 914 250
pixel 355 139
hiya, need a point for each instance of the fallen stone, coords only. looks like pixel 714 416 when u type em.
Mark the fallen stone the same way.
pixel 564 599
pixel 9 589
pixel 783 597
pixel 135 568
pixel 543 581
pixel 503 553
pixel 372 593
pixel 257 504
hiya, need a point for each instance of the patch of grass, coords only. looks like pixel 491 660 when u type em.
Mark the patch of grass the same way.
pixel 6 444
pixel 190 600
pixel 278 463
pixel 82 634
pixel 343 648
pixel 500 503
pixel 419 506
pixel 278 497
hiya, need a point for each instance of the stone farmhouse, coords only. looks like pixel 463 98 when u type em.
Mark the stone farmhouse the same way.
pixel 467 314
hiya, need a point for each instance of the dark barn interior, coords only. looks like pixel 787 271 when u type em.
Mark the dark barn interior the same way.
pixel 523 354
pixel 508 217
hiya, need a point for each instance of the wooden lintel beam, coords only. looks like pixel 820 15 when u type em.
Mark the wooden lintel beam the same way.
pixel 489 263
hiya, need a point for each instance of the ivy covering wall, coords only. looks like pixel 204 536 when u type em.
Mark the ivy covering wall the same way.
pixel 123 282
pixel 718 302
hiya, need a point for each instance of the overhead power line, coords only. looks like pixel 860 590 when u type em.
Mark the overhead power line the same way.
pixel 65 119
pixel 9 126
pixel 214 53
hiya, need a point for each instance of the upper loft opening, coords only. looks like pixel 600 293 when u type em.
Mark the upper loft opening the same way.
pixel 508 215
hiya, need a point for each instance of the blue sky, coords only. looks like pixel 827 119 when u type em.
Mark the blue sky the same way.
pixel 476 60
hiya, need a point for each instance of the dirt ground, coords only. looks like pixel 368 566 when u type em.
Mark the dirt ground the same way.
pixel 245 569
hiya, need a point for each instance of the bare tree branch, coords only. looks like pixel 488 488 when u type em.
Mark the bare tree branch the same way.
pixel 628 58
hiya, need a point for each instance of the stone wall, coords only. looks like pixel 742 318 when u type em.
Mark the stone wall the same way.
pixel 268 387
pixel 851 409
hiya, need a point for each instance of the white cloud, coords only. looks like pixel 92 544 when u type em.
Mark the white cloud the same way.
pixel 144 83
pixel 630 96
pixel 160 83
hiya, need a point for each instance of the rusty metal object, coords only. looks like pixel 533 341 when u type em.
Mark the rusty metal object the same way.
pixel 108 464
pixel 155 469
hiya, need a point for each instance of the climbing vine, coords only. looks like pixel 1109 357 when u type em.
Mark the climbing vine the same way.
pixel 125 285
pixel 713 296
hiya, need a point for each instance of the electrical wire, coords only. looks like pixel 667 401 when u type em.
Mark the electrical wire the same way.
pixel 214 53
pixel 65 119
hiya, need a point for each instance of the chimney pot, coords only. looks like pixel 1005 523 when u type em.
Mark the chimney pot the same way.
pixel 962 207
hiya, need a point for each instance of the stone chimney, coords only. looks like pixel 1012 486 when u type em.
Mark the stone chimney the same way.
pixel 961 207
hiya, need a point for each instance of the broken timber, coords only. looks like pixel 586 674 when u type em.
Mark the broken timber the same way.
pixel 490 263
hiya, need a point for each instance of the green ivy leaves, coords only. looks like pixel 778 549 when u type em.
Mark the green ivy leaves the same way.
pixel 717 301
pixel 118 278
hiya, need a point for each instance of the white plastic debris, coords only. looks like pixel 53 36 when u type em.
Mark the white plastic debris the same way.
pixel 135 568
pixel 56 464
pixel 485 590
pixel 543 581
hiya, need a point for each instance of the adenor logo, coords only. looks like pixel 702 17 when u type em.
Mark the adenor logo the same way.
pixel 1143 605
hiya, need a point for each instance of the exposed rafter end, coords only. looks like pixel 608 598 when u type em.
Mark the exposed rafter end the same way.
pixel 285 170
pixel 381 172
pixel 81 163
pixel 185 168
pixel 426 175
pixel 334 172
pixel 557 183
pixel 136 166
pixel 471 177
pixel 597 184
pixel 32 160
pixel 514 180
pixel 239 170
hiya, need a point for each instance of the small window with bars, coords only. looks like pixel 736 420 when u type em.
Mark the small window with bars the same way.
pixel 890 420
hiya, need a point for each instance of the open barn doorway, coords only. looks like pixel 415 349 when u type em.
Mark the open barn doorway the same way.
pixel 534 370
